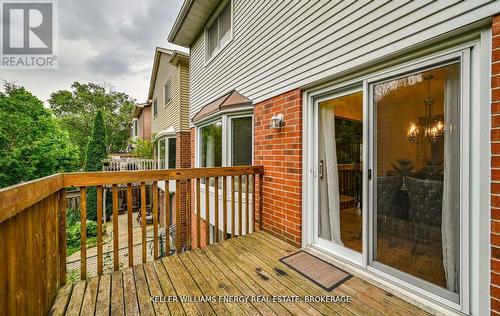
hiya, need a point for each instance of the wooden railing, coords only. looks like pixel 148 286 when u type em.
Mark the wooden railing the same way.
pixel 33 223
pixel 131 164
pixel 32 246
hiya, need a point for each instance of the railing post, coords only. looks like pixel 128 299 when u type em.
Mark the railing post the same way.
pixel 62 237
pixel 178 221
pixel 83 233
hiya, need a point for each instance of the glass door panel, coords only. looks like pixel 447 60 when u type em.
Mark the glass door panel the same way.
pixel 340 146
pixel 416 179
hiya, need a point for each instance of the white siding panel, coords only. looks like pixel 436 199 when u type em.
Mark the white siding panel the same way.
pixel 281 45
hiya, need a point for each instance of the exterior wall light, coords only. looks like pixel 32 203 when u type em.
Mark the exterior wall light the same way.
pixel 277 121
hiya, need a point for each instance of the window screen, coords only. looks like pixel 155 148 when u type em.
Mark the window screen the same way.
pixel 213 37
pixel 241 133
pixel 155 108
pixel 225 24
pixel 171 153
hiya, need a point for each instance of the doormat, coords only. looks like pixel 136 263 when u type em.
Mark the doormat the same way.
pixel 318 271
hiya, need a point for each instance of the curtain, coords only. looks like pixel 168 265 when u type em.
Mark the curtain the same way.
pixel 450 229
pixel 329 221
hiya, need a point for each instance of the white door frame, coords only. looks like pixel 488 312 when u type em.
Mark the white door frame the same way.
pixel 474 287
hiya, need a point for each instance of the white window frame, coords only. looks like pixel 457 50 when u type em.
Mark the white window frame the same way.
pixel 169 84
pixel 475 170
pixel 229 136
pixel 226 121
pixel 214 19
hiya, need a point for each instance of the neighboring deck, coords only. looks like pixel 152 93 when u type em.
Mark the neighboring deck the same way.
pixel 243 266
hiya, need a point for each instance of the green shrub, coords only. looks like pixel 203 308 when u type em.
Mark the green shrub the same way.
pixel 73 236
pixel 72 217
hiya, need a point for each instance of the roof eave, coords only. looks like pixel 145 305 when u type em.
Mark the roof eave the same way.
pixel 179 57
pixel 191 20
pixel 154 70
pixel 179 21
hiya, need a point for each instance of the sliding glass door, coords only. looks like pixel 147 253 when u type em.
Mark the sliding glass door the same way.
pixel 340 144
pixel 388 176
pixel 416 183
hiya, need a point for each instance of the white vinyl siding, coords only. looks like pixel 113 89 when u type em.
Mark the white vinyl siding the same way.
pixel 278 46
pixel 172 83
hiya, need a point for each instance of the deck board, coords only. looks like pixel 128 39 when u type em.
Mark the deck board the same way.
pixel 243 266
pixel 155 289
pixel 117 300
pixel 90 297
pixel 103 295
pixel 130 292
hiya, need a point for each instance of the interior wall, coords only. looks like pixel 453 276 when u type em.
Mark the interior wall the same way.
pixel 395 111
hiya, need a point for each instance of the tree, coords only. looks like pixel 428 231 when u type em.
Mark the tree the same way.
pixel 96 148
pixel 95 154
pixel 32 143
pixel 76 109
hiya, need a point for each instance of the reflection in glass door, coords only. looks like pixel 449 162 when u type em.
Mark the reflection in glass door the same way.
pixel 416 199
pixel 340 135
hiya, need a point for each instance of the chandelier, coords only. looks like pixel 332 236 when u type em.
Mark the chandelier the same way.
pixel 430 126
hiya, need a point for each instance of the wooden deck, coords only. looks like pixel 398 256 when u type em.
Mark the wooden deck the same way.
pixel 241 267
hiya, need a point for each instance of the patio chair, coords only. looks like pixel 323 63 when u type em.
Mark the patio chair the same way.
pixel 426 202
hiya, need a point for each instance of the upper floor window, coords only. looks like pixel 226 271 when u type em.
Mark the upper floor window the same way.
pixel 168 93
pixel 155 108
pixel 219 32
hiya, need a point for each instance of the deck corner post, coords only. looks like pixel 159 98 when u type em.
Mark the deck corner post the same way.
pixel 62 237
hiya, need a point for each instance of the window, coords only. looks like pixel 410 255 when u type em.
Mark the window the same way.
pixel 167 153
pixel 219 32
pixel 155 108
pixel 241 141
pixel 227 142
pixel 211 145
pixel 168 95
pixel 135 128
pixel 161 153
pixel 171 153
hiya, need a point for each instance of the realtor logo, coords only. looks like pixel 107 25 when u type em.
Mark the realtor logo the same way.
pixel 28 31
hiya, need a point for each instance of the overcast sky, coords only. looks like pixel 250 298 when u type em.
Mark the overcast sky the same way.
pixel 110 41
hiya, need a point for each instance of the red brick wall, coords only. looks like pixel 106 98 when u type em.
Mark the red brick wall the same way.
pixel 280 152
pixel 183 160
pixel 495 172
pixel 183 150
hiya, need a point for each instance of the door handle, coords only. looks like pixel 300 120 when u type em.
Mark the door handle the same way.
pixel 320 169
